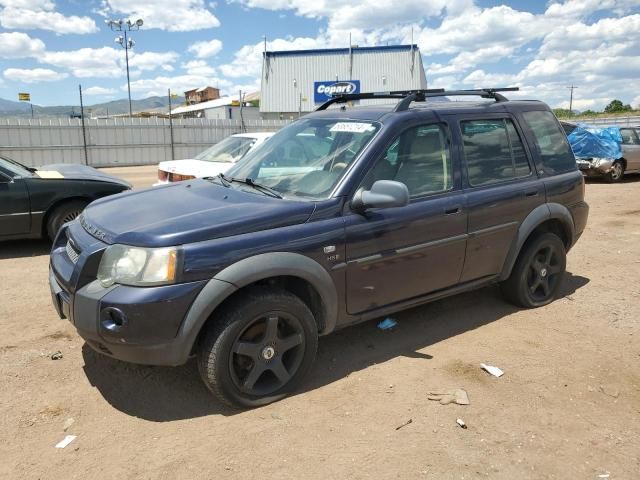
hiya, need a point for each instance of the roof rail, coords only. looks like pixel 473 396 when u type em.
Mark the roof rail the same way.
pixel 407 97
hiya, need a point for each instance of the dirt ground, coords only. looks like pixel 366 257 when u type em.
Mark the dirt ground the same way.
pixel 568 405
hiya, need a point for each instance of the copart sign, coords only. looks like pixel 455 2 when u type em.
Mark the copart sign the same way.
pixel 323 91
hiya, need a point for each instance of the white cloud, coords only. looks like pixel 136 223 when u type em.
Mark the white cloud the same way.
pixel 178 84
pixel 199 67
pixel 88 62
pixel 247 61
pixel 152 60
pixel 98 91
pixel 19 45
pixel 171 15
pixel 206 49
pixel 107 62
pixel 34 75
pixel 41 15
pixel 362 14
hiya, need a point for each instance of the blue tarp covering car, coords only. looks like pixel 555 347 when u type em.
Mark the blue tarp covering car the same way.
pixel 595 142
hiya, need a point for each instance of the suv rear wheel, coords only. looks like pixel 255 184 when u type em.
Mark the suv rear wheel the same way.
pixel 537 275
pixel 259 348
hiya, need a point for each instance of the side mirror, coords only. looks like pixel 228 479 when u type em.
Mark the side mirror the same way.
pixel 4 178
pixel 383 194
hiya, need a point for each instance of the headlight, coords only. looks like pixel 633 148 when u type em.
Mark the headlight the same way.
pixel 137 266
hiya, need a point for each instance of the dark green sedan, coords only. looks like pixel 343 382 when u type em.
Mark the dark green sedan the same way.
pixel 35 203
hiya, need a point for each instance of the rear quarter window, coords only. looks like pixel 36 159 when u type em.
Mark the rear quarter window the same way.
pixel 550 142
pixel 493 151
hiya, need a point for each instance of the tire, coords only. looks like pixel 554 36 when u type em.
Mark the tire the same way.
pixel 616 174
pixel 62 214
pixel 538 273
pixel 258 349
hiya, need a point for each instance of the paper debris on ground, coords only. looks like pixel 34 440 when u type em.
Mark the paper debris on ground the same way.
pixel 460 422
pixel 66 441
pixel 456 395
pixel 387 324
pixel 68 422
pixel 495 371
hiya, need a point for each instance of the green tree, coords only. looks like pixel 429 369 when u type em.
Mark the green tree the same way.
pixel 563 112
pixel 616 106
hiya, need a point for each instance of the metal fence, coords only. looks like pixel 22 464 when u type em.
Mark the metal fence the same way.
pixel 116 141
pixel 619 121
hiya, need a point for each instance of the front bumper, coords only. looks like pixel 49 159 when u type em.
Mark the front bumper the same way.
pixel 594 167
pixel 134 324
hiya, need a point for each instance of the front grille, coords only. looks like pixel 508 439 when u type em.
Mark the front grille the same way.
pixel 72 253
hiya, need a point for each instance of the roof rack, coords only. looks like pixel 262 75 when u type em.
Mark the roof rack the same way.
pixel 407 97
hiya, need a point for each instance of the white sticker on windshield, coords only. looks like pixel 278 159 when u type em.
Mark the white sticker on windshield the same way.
pixel 352 127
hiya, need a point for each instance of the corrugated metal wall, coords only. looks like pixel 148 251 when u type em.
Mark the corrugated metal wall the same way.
pixel 116 141
pixel 378 71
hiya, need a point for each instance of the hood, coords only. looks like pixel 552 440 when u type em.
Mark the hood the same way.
pixel 82 172
pixel 187 212
pixel 197 168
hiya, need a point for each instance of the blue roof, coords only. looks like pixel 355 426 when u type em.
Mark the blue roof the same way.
pixel 329 51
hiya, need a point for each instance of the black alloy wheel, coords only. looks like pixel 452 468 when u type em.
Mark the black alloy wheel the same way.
pixel 544 273
pixel 267 354
pixel 537 276
pixel 257 348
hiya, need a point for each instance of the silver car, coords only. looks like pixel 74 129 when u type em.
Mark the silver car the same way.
pixel 613 169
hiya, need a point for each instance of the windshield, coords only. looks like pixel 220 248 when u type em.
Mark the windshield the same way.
pixel 229 150
pixel 307 158
pixel 14 168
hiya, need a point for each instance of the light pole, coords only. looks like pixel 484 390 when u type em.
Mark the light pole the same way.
pixel 126 43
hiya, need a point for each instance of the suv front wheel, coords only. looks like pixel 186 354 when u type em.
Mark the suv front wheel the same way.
pixel 537 275
pixel 258 348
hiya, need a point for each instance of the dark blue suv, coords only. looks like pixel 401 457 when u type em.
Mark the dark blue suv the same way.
pixel 345 215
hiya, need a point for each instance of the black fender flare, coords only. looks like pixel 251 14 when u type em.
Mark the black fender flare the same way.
pixel 539 215
pixel 250 270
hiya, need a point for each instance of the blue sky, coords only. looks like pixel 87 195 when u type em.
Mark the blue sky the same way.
pixel 48 47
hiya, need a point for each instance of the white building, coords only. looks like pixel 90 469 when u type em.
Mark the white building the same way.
pixel 296 82
pixel 224 108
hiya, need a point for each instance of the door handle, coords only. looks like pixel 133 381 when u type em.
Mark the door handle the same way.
pixel 531 193
pixel 452 210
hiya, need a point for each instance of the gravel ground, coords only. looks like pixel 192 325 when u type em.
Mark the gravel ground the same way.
pixel 567 407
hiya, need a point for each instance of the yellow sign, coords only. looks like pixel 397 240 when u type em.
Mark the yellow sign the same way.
pixel 24 97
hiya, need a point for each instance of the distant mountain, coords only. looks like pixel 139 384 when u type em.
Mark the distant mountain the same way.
pixel 9 108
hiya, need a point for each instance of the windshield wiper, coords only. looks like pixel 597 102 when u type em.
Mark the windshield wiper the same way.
pixel 248 181
pixel 30 169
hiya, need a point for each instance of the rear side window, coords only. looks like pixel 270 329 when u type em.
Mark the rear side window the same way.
pixel 493 151
pixel 551 142
pixel 629 136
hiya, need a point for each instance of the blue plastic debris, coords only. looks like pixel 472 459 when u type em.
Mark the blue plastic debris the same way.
pixel 596 142
pixel 387 324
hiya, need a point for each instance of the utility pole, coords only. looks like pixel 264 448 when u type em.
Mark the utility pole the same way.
pixel 572 88
pixel 126 43
pixel 84 130
pixel 173 153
